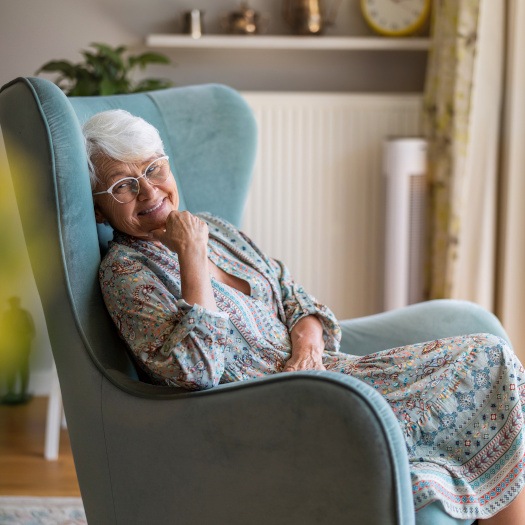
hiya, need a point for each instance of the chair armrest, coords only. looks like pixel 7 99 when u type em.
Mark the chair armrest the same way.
pixel 417 323
pixel 315 446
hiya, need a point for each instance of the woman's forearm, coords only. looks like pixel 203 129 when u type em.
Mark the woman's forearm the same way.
pixel 195 278
pixel 307 345
pixel 307 334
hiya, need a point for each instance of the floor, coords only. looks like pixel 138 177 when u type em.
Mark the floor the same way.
pixel 23 469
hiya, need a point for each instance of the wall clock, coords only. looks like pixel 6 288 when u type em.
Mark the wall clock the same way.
pixel 396 17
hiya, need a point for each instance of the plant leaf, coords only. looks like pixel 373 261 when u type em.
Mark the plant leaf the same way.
pixel 105 71
pixel 106 50
pixel 86 86
pixel 96 63
pixel 147 58
pixel 152 84
pixel 109 56
pixel 107 87
pixel 63 66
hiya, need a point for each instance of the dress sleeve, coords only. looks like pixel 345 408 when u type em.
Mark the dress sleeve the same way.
pixel 176 343
pixel 298 303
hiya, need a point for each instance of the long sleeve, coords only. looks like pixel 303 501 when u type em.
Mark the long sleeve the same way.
pixel 174 342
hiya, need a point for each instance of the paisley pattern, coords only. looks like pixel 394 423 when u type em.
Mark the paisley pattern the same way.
pixel 459 401
pixel 189 346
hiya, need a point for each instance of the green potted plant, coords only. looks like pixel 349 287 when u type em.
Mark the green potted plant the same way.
pixel 105 71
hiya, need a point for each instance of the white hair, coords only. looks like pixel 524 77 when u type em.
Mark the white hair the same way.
pixel 121 136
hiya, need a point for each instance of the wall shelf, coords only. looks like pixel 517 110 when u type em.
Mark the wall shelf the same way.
pixel 288 42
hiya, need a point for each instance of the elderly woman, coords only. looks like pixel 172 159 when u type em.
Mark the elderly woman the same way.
pixel 198 304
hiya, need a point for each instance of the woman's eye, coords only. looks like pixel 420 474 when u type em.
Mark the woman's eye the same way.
pixel 123 186
pixel 152 170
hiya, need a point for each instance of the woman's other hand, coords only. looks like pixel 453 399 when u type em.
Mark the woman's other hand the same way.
pixel 183 232
pixel 308 357
pixel 307 346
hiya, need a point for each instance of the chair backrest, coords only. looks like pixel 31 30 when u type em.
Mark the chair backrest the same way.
pixel 209 134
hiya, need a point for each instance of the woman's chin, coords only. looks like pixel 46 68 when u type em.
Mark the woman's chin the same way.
pixel 157 219
pixel 156 225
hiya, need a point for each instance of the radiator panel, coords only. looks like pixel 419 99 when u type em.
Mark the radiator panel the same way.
pixel 317 200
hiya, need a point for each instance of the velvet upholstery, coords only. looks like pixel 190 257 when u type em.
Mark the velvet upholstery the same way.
pixel 300 448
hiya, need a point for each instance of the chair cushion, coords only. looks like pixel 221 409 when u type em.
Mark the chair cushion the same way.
pixel 434 514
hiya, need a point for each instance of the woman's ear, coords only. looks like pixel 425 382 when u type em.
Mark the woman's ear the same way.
pixel 99 216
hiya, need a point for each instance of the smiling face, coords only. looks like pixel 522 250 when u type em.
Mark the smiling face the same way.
pixel 147 212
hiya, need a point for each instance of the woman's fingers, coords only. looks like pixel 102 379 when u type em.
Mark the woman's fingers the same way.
pixel 295 364
pixel 158 234
pixel 183 230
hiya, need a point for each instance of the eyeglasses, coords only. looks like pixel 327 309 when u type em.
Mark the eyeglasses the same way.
pixel 126 189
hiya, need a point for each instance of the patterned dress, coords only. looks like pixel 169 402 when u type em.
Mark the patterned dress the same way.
pixel 460 401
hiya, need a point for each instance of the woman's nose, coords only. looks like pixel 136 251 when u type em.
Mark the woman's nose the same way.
pixel 146 189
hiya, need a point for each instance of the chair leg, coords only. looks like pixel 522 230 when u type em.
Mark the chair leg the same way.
pixel 54 419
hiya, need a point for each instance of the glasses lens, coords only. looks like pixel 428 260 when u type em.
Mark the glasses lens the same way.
pixel 126 190
pixel 157 171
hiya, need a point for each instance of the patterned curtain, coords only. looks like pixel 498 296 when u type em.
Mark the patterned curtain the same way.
pixel 447 111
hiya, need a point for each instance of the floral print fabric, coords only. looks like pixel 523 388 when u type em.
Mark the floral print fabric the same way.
pixel 194 348
pixel 459 401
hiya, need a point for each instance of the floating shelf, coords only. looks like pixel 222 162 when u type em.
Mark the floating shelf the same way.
pixel 289 42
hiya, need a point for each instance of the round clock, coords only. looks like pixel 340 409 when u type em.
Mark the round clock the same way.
pixel 396 17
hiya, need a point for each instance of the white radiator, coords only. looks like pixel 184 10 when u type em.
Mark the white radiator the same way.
pixel 405 171
pixel 317 200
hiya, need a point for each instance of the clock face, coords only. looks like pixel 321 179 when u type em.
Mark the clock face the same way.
pixel 395 17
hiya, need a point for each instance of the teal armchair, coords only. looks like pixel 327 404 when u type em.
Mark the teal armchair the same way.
pixel 300 448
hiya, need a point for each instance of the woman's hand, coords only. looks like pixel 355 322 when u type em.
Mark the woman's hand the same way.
pixel 307 346
pixel 183 232
pixel 187 236
pixel 308 357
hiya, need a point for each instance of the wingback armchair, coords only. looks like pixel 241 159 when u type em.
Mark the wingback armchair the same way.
pixel 300 448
